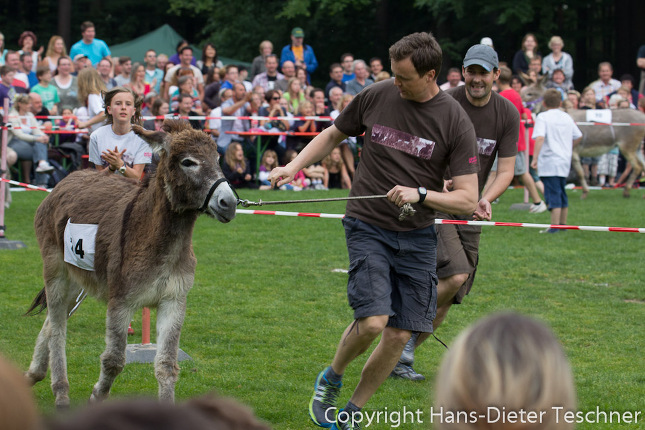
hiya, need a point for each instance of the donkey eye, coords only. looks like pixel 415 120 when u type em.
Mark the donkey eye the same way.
pixel 187 162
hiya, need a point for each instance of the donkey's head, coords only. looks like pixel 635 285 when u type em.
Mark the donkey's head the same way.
pixel 189 170
pixel 533 92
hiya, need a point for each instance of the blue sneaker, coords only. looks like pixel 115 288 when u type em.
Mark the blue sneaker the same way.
pixel 344 422
pixel 404 371
pixel 325 398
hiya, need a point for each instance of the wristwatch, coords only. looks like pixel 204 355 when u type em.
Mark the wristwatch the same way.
pixel 422 194
pixel 122 169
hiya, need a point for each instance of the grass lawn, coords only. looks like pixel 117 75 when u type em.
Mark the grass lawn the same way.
pixel 268 308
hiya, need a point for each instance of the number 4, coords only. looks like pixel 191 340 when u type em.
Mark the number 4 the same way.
pixel 78 249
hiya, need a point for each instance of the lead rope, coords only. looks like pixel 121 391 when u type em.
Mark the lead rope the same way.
pixel 406 209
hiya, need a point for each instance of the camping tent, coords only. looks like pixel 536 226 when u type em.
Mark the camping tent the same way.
pixel 163 40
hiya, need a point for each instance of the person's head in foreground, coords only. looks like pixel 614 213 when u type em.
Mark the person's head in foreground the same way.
pixel 504 364
pixel 203 413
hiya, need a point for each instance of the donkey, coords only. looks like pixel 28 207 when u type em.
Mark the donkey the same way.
pixel 598 139
pixel 142 247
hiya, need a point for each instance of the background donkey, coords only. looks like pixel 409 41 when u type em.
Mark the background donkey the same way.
pixel 599 139
pixel 143 253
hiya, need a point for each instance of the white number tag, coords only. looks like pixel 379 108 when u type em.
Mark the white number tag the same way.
pixel 599 115
pixel 79 244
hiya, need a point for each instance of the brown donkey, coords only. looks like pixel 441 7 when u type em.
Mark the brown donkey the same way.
pixel 141 237
pixel 598 139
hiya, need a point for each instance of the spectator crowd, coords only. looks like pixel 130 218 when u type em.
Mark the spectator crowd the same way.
pixel 190 84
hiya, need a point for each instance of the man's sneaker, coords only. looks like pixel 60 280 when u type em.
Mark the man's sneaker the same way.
pixel 404 371
pixel 407 356
pixel 44 167
pixel 322 407
pixel 539 208
pixel 551 230
pixel 344 422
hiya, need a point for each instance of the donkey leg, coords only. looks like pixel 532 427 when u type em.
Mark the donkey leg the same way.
pixel 170 318
pixel 113 358
pixel 40 360
pixel 57 316
pixel 637 168
pixel 577 166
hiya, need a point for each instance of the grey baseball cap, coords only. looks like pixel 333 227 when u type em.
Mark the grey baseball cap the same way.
pixel 482 55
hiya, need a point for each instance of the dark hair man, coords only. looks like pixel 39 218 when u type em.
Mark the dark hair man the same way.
pixel 413 132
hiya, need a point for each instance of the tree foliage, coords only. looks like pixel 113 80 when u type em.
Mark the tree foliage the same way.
pixel 593 31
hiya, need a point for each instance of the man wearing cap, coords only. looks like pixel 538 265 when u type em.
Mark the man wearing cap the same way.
pixel 94 49
pixel 497 124
pixel 300 54
pixel 81 61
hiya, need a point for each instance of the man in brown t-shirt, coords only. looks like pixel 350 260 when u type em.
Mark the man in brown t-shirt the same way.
pixel 413 132
pixel 497 124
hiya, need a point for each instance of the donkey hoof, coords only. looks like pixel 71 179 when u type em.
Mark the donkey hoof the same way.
pixel 62 403
pixel 626 194
pixel 32 379
pixel 584 195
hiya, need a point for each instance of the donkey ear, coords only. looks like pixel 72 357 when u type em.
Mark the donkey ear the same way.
pixel 158 140
pixel 175 125
pixel 525 78
pixel 543 79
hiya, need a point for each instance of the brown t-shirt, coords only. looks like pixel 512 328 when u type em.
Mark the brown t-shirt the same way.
pixel 497 127
pixel 406 143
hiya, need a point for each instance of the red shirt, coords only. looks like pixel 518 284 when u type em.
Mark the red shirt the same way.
pixel 515 98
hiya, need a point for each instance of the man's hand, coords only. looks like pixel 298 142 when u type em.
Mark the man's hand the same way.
pixel 483 212
pixel 534 163
pixel 400 195
pixel 281 175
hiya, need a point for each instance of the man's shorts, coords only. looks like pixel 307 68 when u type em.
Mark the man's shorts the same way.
pixel 457 252
pixel 608 164
pixel 520 163
pixel 591 161
pixel 555 193
pixel 392 273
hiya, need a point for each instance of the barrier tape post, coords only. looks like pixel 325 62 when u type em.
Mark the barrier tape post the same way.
pixel 145 326
pixel 4 187
pixel 3 170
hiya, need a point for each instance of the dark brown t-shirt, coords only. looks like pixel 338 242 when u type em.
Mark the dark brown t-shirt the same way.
pixel 406 143
pixel 497 127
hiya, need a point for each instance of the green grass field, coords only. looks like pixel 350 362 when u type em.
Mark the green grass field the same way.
pixel 268 308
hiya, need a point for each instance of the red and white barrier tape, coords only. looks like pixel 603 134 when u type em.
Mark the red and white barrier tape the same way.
pixel 459 222
pixel 437 221
pixel 22 184
pixel 283 213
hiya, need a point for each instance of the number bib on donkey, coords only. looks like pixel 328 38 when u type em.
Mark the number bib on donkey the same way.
pixel 79 244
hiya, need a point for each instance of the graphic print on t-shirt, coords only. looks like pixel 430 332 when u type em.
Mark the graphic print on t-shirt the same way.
pixel 485 146
pixel 402 141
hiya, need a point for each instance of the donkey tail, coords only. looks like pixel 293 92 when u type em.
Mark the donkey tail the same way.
pixel 40 302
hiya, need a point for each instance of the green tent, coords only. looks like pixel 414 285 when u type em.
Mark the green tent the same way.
pixel 163 40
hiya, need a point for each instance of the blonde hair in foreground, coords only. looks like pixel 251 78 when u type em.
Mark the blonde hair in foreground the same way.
pixel 505 361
